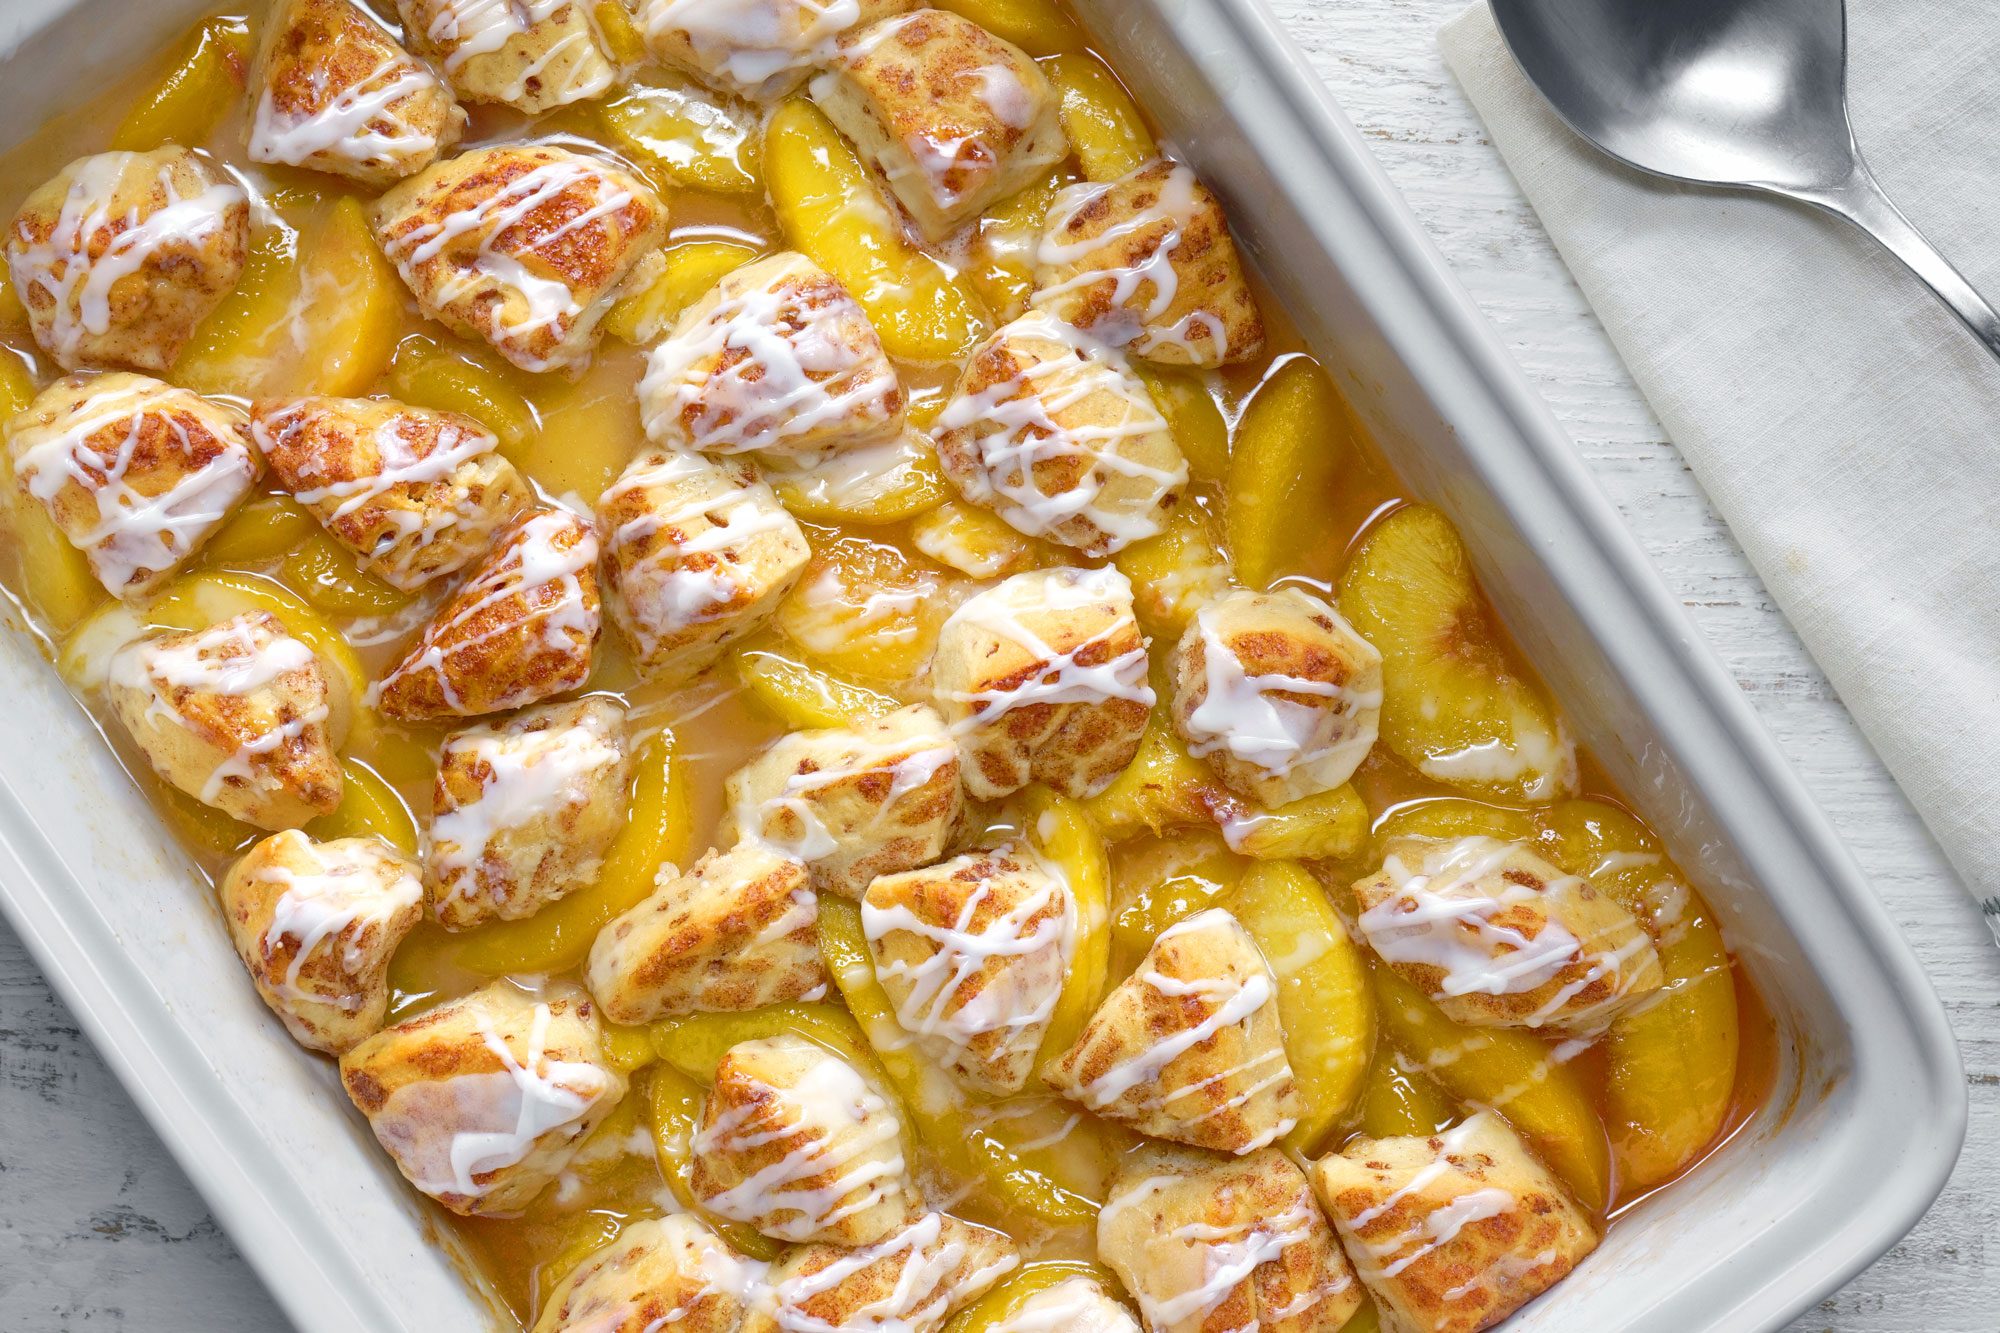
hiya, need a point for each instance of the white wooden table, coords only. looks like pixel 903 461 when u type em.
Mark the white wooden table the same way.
pixel 99 1230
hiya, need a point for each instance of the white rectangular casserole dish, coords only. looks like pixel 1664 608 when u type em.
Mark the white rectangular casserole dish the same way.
pixel 1854 1143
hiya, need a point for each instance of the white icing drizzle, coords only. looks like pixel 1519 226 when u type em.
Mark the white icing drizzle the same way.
pixel 533 560
pixel 328 910
pixel 712 521
pixel 809 366
pixel 1379 1260
pixel 926 1283
pixel 449 1131
pixel 238 657
pixel 1246 717
pixel 1020 422
pixel 467 29
pixel 1229 1003
pixel 137 536
pixel 1142 292
pixel 760 48
pixel 1441 914
pixel 363 123
pixel 79 285
pixel 1063 679
pixel 548 301
pixel 844 1153
pixel 532 775
pixel 1013 1000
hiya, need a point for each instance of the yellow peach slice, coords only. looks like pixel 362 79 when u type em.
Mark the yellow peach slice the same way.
pixel 1002 266
pixel 1670 1064
pixel 620 34
pixel 695 1043
pixel 1456 704
pixel 1287 454
pixel 1324 1002
pixel 589 431
pixel 1062 834
pixel 1398 1100
pixel 828 208
pixel 676 129
pixel 1039 27
pixel 450 378
pixel 978 543
pixel 866 609
pixel 1448 817
pixel 328 576
pixel 1511 1073
pixel 800 696
pixel 264 527
pixel 1105 128
pixel 627 1049
pixel 1330 826
pixel 999 1307
pixel 1177 572
pixel 659 831
pixel 870 485
pixel 206 79
pixel 1158 881
pixel 657 293
pixel 56 576
pixel 673 1113
pixel 330 291
pixel 1199 427
pixel 369 808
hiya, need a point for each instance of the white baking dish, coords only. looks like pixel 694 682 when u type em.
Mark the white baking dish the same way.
pixel 1853 1145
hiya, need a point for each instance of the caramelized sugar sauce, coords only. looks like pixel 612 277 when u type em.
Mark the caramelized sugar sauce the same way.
pixel 586 432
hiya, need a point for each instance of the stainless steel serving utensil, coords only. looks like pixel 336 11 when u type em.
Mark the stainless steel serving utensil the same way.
pixel 1743 93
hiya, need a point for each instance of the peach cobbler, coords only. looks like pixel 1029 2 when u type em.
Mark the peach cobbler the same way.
pixel 764 633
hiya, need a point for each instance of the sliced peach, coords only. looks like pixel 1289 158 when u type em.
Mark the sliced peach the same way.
pixel 675 128
pixel 1330 826
pixel 829 209
pixel 978 543
pixel 800 696
pixel 57 577
pixel 695 1043
pixel 1106 130
pixel 1324 1002
pixel 658 831
pixel 673 1113
pixel 1455 702
pixel 1002 264
pixel 264 527
pixel 865 609
pixel 1448 817
pixel 1177 572
pixel 450 378
pixel 619 33
pixel 870 485
pixel 1670 1065
pixel 328 290
pixel 999 1307
pixel 327 575
pixel 627 1048
pixel 1039 27
pixel 1199 427
pixel 1510 1072
pixel 1061 832
pixel 1159 880
pixel 369 808
pixel 1399 1100
pixel 206 79
pixel 657 293
pixel 589 431
pixel 1287 454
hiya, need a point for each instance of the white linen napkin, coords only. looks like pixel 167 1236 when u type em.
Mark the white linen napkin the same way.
pixel 1845 426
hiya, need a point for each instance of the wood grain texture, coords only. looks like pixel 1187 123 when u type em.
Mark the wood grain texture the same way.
pixel 99 1230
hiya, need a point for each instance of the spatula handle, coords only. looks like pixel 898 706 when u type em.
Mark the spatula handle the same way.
pixel 1863 201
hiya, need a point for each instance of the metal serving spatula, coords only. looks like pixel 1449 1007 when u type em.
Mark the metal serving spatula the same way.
pixel 1743 93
